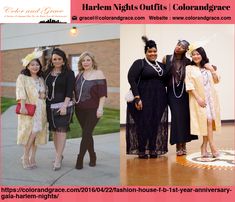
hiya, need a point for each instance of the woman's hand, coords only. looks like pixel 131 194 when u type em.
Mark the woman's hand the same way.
pixel 23 110
pixel 138 104
pixel 201 102
pixel 210 67
pixel 63 110
pixel 99 112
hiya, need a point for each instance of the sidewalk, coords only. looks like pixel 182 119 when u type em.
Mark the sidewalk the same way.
pixel 105 173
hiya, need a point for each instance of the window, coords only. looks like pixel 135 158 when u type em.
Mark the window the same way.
pixel 74 63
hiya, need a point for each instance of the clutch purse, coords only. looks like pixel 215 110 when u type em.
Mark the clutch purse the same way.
pixel 129 97
pixel 61 120
pixel 30 108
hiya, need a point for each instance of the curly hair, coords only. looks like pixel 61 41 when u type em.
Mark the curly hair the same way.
pixel 82 56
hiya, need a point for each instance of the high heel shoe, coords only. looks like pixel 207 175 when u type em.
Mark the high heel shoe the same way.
pixel 215 154
pixel 57 164
pixel 32 163
pixel 205 155
pixel 179 149
pixel 25 163
pixel 62 157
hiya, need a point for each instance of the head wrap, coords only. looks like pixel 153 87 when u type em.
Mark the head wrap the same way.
pixel 184 43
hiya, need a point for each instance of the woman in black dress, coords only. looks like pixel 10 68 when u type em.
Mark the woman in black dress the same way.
pixel 59 79
pixel 146 131
pixel 178 98
pixel 90 93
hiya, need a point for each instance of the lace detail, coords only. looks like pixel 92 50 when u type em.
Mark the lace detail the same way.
pixel 133 133
pixel 210 110
pixel 37 118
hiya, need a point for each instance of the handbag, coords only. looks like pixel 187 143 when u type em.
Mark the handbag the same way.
pixel 30 108
pixel 61 120
pixel 129 97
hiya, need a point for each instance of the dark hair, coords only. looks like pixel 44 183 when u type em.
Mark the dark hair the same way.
pixel 205 59
pixel 26 71
pixel 62 54
pixel 148 44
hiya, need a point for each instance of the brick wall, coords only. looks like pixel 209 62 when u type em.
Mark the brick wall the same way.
pixel 107 55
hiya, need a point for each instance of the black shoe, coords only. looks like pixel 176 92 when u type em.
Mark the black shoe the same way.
pixel 79 164
pixel 92 159
pixel 142 155
pixel 153 154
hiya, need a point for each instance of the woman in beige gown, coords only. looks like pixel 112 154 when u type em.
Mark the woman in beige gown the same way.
pixel 32 130
pixel 203 100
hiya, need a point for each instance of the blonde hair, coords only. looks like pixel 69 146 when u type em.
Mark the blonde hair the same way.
pixel 82 56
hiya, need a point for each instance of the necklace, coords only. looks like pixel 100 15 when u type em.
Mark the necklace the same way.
pixel 182 90
pixel 82 83
pixel 53 88
pixel 156 67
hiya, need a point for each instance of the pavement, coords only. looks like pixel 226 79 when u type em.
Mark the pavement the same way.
pixel 106 172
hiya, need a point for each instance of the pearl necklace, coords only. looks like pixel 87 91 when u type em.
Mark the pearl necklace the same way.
pixel 82 83
pixel 53 88
pixel 156 67
pixel 182 90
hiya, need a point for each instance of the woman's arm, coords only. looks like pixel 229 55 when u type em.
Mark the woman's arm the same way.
pixel 69 92
pixel 199 100
pixel 100 109
pixel 213 71
pixel 134 75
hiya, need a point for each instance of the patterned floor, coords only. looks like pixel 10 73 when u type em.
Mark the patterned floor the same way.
pixel 225 160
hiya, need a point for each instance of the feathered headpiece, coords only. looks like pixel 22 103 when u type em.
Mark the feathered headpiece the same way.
pixel 34 55
pixel 148 43
pixel 193 46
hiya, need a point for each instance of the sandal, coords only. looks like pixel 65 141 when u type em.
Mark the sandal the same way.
pixel 57 164
pixel 179 153
pixel 33 163
pixel 25 163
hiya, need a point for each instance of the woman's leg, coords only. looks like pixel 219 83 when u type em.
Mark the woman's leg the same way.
pixel 27 148
pixel 60 141
pixel 54 140
pixel 88 121
pixel 204 152
pixel 32 157
pixel 213 148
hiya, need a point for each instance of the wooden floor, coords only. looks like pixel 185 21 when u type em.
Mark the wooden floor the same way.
pixel 166 171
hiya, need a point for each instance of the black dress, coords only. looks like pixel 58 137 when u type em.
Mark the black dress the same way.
pixel 147 129
pixel 180 117
pixel 64 86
